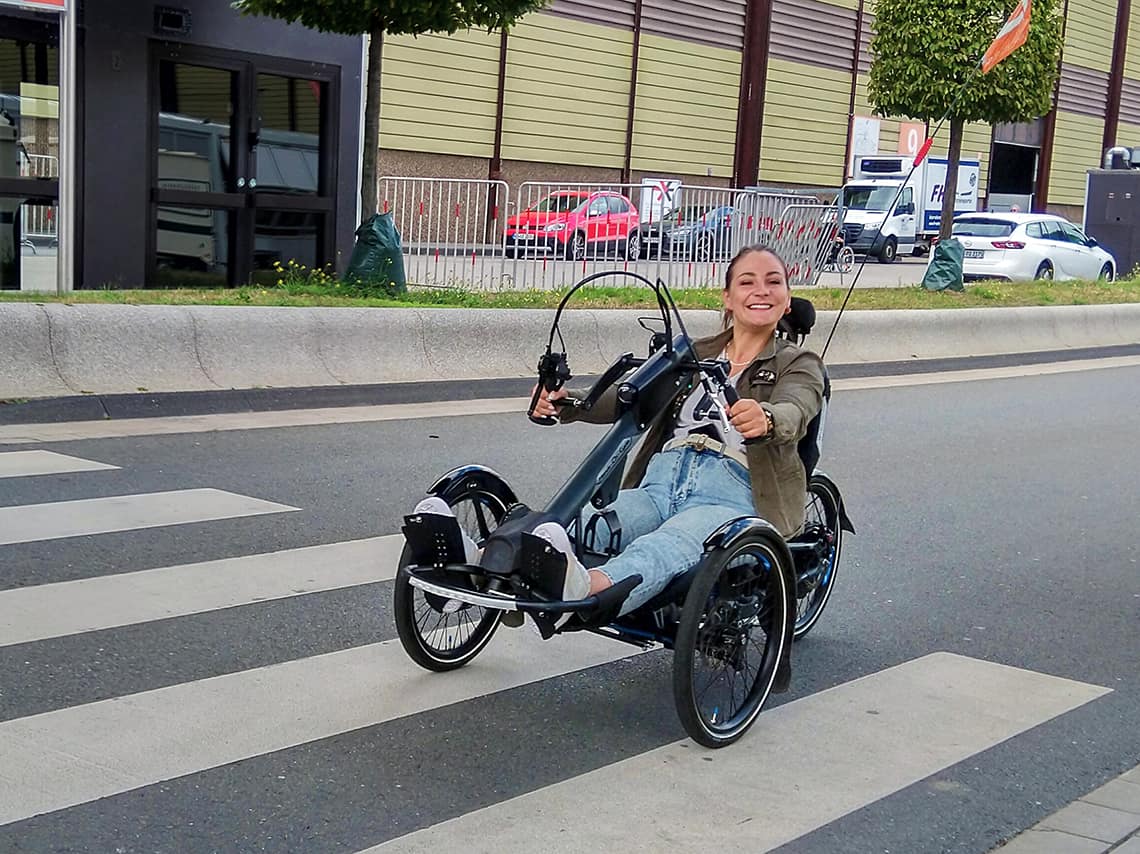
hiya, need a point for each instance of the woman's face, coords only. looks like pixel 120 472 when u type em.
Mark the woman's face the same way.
pixel 757 295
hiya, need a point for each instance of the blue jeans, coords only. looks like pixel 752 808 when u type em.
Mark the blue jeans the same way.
pixel 685 495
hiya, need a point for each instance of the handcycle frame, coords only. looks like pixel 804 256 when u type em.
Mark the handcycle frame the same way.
pixel 499 583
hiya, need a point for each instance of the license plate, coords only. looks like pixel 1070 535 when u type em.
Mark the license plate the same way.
pixel 523 238
pixel 974 253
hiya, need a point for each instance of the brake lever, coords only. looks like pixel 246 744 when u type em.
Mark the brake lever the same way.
pixel 553 372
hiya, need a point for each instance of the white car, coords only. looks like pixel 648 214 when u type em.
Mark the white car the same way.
pixel 1025 246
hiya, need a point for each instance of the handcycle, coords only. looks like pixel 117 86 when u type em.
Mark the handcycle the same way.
pixel 730 619
pixel 840 257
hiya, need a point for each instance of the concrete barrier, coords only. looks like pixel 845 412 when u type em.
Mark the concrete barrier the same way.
pixel 58 349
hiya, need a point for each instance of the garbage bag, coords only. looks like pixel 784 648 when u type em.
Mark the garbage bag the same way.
pixel 377 257
pixel 945 268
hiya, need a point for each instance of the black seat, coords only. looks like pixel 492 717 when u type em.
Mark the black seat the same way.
pixel 796 325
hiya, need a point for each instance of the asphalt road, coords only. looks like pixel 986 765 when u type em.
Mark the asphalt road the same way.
pixel 996 521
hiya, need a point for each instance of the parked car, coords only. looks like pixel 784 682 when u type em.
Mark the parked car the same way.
pixel 1021 247
pixel 698 232
pixel 576 224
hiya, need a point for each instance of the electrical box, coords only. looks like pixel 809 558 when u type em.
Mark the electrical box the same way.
pixel 1112 214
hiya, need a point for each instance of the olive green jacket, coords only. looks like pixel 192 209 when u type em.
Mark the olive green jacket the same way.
pixel 788 380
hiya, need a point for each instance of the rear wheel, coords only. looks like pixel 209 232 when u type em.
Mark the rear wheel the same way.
pixel 816 577
pixel 633 246
pixel 1044 271
pixel 845 260
pixel 730 639
pixel 440 634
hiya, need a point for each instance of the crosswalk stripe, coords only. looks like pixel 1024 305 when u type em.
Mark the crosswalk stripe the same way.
pixel 803 765
pixel 72 756
pixel 32 522
pixel 91 604
pixel 31 463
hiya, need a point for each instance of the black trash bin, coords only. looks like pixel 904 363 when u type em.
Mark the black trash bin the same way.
pixel 378 259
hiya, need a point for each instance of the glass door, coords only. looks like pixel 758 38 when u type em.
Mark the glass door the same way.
pixel 29 154
pixel 242 168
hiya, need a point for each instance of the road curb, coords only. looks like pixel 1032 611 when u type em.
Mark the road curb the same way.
pixel 57 350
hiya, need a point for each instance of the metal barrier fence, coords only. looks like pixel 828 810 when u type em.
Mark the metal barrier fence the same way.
pixel 39 223
pixel 802 234
pixel 448 228
pixel 466 233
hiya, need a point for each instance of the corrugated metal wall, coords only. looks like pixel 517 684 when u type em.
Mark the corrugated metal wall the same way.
pixel 567 92
pixel 808 93
pixel 1082 97
pixel 685 116
pixel 439 93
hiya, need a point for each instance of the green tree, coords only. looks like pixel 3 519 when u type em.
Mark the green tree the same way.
pixel 924 56
pixel 376 18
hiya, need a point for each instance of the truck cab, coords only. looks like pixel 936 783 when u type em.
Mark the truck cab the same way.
pixel 870 226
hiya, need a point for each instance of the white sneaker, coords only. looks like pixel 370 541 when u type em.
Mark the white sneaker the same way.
pixel 577 583
pixel 436 505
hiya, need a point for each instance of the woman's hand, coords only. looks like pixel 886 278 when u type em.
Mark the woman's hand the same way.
pixel 749 418
pixel 545 407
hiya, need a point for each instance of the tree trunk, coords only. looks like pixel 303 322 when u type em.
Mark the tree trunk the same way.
pixel 950 188
pixel 371 154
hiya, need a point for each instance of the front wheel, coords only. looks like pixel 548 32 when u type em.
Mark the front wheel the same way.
pixel 815 577
pixel 1044 272
pixel 1106 273
pixel 576 247
pixel 730 639
pixel 440 634
pixel 889 252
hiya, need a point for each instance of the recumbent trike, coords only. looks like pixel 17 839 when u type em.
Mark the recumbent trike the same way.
pixel 729 620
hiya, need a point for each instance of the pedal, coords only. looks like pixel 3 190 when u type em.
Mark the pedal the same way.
pixel 434 539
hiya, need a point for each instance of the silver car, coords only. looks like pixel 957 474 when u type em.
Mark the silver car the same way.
pixel 1021 247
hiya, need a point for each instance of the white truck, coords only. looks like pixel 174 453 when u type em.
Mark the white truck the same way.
pixel 870 229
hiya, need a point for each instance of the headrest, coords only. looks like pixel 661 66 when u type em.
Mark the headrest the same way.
pixel 800 319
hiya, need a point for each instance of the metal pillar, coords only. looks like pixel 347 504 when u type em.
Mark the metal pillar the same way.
pixel 68 137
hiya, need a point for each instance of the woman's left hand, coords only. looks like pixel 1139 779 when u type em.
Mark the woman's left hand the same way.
pixel 748 417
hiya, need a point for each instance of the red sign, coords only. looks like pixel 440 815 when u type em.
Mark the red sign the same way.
pixel 41 5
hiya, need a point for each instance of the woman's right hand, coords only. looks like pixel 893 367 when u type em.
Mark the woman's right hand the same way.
pixel 545 408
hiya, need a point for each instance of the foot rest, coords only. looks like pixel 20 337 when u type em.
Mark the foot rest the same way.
pixel 434 539
pixel 609 604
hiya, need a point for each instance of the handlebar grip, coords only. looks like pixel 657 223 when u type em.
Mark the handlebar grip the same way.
pixel 546 420
pixel 731 396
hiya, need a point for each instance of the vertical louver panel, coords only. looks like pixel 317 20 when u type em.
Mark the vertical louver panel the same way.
pixel 1083 90
pixel 611 13
pixel 813 32
pixel 717 23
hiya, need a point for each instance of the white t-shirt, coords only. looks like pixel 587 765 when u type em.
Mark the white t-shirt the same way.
pixel 701 411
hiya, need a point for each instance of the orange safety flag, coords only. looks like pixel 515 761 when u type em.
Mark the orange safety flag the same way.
pixel 1010 38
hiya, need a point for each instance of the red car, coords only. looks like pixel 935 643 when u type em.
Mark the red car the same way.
pixel 576 224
